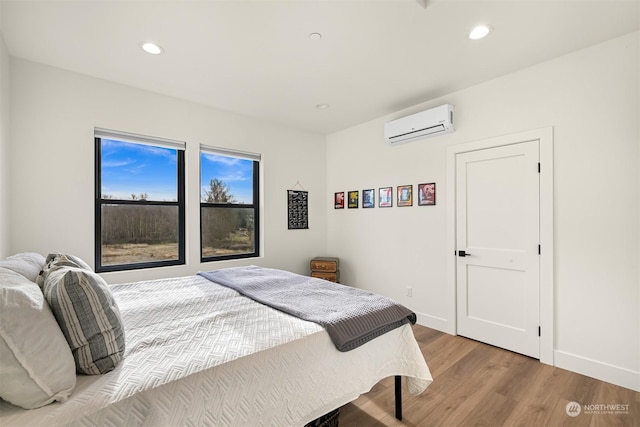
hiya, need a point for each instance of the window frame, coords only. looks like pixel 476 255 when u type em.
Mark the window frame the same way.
pixel 255 205
pixel 99 202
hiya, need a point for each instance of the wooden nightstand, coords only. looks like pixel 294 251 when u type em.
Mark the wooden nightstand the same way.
pixel 327 268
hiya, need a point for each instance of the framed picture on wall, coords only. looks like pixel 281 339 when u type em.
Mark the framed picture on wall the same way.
pixel 385 197
pixel 353 199
pixel 427 194
pixel 338 200
pixel 405 195
pixel 368 198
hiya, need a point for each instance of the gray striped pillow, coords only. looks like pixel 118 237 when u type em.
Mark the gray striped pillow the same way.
pixel 90 320
pixel 55 260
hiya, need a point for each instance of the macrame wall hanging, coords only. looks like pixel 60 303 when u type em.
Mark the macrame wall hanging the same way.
pixel 298 207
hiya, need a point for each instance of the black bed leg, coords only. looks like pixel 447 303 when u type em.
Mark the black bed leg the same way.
pixel 399 397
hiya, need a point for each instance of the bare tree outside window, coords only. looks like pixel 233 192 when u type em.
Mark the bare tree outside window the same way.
pixel 228 212
pixel 139 205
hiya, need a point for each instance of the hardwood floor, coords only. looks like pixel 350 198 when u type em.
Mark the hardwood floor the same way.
pixel 476 384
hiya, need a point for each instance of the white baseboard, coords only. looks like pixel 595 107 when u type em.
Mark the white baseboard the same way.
pixel 602 371
pixel 437 323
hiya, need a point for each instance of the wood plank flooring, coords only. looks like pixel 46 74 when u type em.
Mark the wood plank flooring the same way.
pixel 476 384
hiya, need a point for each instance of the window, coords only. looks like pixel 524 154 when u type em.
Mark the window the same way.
pixel 139 204
pixel 229 199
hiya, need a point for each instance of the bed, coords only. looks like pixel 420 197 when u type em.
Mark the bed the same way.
pixel 198 353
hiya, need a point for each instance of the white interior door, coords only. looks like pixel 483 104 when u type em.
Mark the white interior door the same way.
pixel 497 237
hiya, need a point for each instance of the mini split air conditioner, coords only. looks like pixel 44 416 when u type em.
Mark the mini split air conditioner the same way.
pixel 435 121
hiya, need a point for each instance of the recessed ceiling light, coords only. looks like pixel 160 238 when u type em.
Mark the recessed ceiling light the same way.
pixel 480 31
pixel 315 36
pixel 151 48
pixel 322 106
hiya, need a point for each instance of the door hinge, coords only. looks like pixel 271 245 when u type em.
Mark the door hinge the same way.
pixel 538 330
pixel 538 167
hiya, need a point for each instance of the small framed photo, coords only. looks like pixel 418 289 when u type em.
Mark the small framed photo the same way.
pixel 385 197
pixel 405 195
pixel 353 199
pixel 338 200
pixel 427 194
pixel 368 198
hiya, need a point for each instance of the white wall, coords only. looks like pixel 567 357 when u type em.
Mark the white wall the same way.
pixel 4 148
pixel 54 113
pixel 591 98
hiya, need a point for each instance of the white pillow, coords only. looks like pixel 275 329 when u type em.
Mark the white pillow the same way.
pixel 28 264
pixel 37 365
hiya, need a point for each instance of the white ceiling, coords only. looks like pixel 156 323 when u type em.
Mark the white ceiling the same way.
pixel 256 58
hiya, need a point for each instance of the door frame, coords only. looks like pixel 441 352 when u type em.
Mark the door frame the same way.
pixel 545 138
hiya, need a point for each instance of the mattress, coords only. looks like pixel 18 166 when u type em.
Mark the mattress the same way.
pixel 201 354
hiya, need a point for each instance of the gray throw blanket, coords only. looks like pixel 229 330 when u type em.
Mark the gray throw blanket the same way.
pixel 351 316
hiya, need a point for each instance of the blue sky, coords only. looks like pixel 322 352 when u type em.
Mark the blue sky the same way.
pixel 236 173
pixel 129 168
pixel 135 169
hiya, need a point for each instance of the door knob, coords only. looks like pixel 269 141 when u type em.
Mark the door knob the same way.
pixel 463 253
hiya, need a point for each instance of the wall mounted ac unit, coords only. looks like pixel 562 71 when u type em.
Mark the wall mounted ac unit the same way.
pixel 435 121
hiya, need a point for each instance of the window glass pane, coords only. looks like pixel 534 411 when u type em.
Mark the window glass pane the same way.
pixel 139 234
pixel 136 171
pixel 225 179
pixel 227 231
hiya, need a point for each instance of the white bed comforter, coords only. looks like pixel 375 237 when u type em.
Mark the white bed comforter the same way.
pixel 199 354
